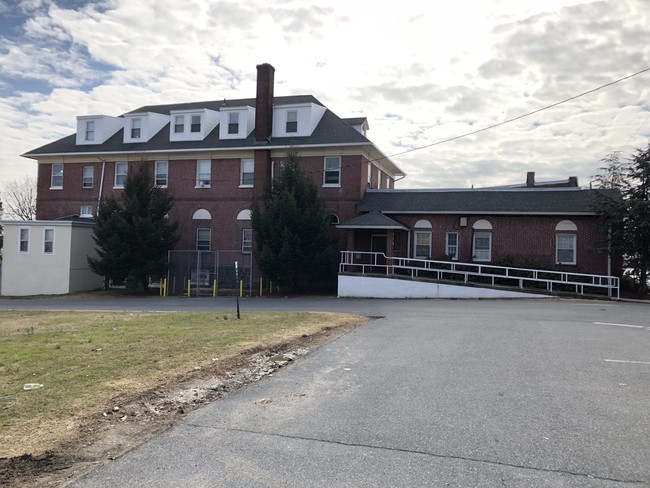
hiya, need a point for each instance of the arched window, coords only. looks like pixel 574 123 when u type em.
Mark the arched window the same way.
pixel 422 239
pixel 201 214
pixel 334 219
pixel 244 215
pixel 482 240
pixel 566 236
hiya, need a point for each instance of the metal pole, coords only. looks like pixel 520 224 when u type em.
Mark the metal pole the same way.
pixel 237 280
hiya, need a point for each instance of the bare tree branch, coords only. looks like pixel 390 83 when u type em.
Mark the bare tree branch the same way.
pixel 20 198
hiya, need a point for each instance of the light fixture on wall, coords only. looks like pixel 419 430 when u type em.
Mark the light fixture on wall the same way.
pixel 463 221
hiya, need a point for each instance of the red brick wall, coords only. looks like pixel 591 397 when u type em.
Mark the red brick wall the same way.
pixel 526 240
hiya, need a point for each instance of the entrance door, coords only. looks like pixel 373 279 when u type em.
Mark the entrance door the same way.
pixel 378 244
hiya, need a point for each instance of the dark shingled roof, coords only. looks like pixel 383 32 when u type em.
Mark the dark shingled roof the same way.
pixel 569 201
pixel 372 220
pixel 330 130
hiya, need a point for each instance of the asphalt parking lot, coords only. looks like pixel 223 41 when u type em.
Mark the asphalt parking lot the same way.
pixel 539 393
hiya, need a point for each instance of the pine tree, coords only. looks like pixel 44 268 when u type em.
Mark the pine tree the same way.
pixel 133 235
pixel 625 212
pixel 293 245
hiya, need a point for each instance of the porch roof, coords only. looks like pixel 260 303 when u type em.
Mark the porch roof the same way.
pixel 372 220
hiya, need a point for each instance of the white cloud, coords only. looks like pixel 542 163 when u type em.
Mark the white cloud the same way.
pixel 420 74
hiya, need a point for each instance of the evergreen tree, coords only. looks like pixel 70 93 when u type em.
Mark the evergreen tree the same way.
pixel 625 211
pixel 292 230
pixel 133 235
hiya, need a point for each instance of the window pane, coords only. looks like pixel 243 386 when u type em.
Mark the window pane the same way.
pixel 90 130
pixel 57 175
pixel 203 175
pixel 292 121
pixel 565 249
pixel 120 174
pixel 203 239
pixel 48 241
pixel 161 173
pixel 196 123
pixel 482 246
pixel 422 244
pixel 24 240
pixel 247 241
pixel 88 176
pixel 233 123
pixel 179 124
pixel 332 171
pixel 247 172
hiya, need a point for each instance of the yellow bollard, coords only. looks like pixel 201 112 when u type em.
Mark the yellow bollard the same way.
pixel 261 285
pixel 189 284
pixel 165 287
pixel 214 288
pixel 241 288
pixel 160 288
pixel 270 287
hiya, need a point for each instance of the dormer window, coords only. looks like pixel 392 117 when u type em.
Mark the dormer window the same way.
pixel 196 123
pixel 233 123
pixel 90 130
pixel 292 121
pixel 179 124
pixel 136 125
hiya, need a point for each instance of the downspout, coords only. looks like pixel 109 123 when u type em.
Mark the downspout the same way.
pixel 101 183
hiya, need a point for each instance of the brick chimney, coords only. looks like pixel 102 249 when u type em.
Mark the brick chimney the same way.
pixel 264 102
pixel 530 179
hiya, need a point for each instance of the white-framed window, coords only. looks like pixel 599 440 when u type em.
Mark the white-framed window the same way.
pixel 90 130
pixel 423 244
pixel 203 173
pixel 136 128
pixel 565 248
pixel 121 170
pixel 451 245
pixel 57 175
pixel 23 240
pixel 162 175
pixel 203 239
pixel 379 176
pixel 86 211
pixel 233 123
pixel 369 175
pixel 332 171
pixel 179 124
pixel 48 240
pixel 195 125
pixel 88 176
pixel 247 173
pixel 482 246
pixel 292 121
pixel 247 241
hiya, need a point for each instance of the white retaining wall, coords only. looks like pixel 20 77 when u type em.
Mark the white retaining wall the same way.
pixel 374 287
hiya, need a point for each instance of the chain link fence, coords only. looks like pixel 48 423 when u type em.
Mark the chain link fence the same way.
pixel 210 273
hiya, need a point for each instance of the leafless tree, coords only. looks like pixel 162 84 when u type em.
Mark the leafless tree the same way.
pixel 20 198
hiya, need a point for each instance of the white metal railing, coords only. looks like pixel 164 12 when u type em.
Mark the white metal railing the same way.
pixel 485 274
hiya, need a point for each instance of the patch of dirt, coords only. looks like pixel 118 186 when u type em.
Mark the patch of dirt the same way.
pixel 131 420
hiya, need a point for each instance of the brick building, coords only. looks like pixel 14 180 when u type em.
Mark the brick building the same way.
pixel 216 156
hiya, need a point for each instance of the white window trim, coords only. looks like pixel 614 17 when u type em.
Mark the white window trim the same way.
pixel 209 174
pixel 177 124
pixel 574 248
pixel 233 123
pixel 20 231
pixel 415 243
pixel 92 177
pixel 457 246
pixel 125 174
pixel 325 170
pixel 209 230
pixel 241 173
pixel 45 229
pixel 292 118
pixel 81 211
pixel 483 233
pixel 136 124
pixel 89 131
pixel 247 249
pixel 52 185
pixel 155 176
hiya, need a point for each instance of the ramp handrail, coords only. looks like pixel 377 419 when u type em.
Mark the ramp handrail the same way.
pixel 377 262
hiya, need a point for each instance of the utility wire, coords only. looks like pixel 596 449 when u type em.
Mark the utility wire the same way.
pixel 518 117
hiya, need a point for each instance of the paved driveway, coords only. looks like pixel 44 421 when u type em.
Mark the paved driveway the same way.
pixel 552 393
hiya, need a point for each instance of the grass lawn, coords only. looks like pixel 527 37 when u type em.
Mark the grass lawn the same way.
pixel 83 359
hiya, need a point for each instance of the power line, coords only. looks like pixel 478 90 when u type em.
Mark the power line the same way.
pixel 518 117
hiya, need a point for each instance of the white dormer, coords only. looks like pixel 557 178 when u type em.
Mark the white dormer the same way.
pixel 192 125
pixel 236 122
pixel 298 120
pixel 140 127
pixel 359 124
pixel 96 129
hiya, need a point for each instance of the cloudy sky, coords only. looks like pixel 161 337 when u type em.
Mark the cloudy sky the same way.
pixel 421 72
